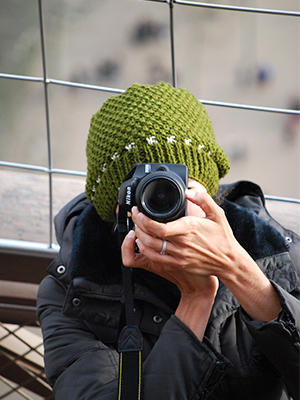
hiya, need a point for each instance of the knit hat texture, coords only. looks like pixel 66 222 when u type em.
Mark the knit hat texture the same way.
pixel 149 124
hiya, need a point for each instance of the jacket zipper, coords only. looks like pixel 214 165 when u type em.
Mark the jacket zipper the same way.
pixel 290 326
pixel 211 387
pixel 98 296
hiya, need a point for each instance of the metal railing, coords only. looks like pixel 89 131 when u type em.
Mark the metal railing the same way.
pixel 30 373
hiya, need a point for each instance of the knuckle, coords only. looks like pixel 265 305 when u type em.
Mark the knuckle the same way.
pixel 147 241
pixel 221 211
pixel 181 263
pixel 192 226
pixel 162 232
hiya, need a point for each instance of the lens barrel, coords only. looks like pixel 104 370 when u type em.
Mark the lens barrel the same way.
pixel 161 196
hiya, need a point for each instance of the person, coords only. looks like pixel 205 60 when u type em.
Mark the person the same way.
pixel 216 292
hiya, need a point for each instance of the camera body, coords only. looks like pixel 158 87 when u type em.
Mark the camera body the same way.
pixel 158 190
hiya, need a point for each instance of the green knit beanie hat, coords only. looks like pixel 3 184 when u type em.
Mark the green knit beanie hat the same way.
pixel 149 124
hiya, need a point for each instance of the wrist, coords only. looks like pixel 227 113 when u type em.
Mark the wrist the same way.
pixel 252 288
pixel 194 311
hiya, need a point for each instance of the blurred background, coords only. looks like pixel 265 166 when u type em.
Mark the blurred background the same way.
pixel 220 55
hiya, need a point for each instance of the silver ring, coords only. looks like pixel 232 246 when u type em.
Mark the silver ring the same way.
pixel 164 245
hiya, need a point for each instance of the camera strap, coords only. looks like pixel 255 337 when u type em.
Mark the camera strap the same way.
pixel 130 344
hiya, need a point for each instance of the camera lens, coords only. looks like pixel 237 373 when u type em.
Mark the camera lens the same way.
pixel 161 197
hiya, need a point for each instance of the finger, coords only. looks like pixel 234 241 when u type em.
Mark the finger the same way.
pixel 128 248
pixel 150 241
pixel 154 243
pixel 148 225
pixel 158 229
pixel 206 203
pixel 129 257
pixel 193 210
pixel 155 255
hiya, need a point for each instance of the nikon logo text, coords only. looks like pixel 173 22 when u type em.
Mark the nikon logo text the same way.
pixel 128 196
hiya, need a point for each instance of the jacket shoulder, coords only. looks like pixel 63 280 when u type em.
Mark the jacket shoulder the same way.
pixel 250 196
pixel 65 223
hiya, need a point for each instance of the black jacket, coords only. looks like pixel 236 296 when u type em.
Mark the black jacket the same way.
pixel 80 303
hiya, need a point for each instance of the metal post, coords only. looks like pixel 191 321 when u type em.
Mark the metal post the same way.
pixel 174 78
pixel 46 82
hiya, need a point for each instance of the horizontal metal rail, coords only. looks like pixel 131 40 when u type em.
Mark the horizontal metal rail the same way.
pixel 39 168
pixel 22 247
pixel 231 8
pixel 282 199
pixel 61 82
pixel 115 90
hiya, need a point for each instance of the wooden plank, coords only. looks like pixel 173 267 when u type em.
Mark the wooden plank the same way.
pixel 18 302
pixel 18 314
pixel 21 268
pixel 18 292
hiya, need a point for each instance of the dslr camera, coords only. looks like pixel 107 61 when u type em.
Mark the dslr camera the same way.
pixel 158 190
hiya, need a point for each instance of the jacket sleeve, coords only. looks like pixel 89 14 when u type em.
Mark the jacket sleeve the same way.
pixel 78 366
pixel 280 340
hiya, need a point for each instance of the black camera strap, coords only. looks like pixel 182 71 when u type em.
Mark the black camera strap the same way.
pixel 130 345
pixel 130 342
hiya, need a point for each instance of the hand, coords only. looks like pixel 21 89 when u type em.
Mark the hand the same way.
pixel 197 244
pixel 188 284
pixel 171 266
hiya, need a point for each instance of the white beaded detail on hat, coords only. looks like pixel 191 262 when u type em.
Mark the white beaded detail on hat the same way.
pixel 188 142
pixel 130 146
pixel 171 139
pixel 151 140
pixel 115 155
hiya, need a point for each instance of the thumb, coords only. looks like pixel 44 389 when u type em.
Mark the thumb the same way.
pixel 206 203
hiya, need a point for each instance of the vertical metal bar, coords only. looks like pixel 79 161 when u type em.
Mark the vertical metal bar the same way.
pixel 45 81
pixel 174 78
